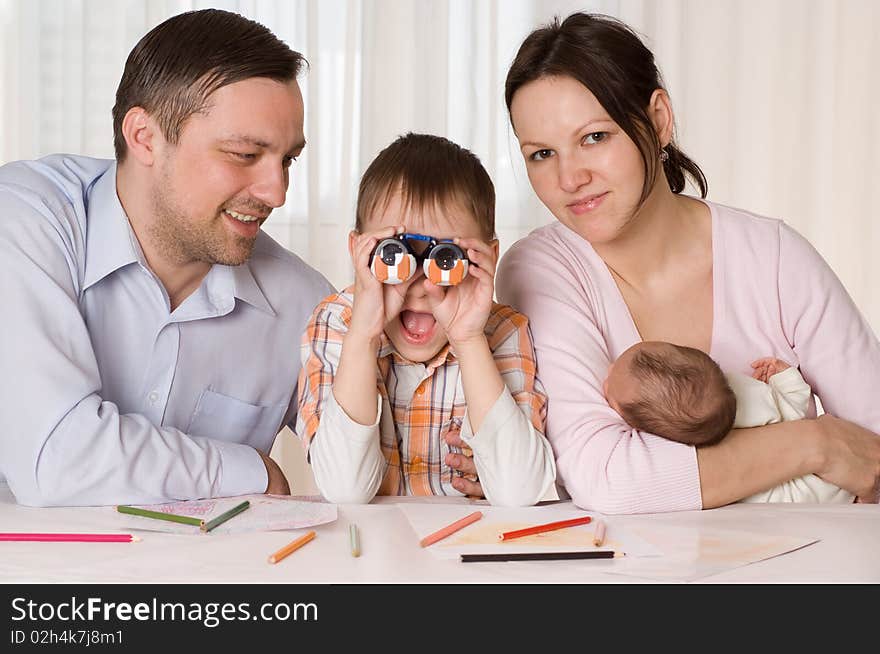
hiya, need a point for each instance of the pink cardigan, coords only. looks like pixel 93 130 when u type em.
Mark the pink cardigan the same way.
pixel 774 295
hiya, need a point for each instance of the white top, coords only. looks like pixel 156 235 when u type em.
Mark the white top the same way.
pixel 786 396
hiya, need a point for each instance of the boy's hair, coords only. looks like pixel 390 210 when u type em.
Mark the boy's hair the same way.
pixel 684 396
pixel 176 66
pixel 428 171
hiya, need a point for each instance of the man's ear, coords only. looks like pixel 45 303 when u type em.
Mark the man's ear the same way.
pixel 142 135
pixel 660 112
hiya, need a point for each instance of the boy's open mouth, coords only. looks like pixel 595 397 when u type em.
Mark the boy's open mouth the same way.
pixel 418 328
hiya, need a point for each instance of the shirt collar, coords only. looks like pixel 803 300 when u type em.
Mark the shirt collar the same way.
pixel 112 244
pixel 239 282
pixel 109 239
pixel 445 355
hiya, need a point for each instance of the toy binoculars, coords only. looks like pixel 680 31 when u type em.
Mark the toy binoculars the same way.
pixel 394 260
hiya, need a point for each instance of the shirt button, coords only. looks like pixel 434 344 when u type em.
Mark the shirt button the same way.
pixel 153 397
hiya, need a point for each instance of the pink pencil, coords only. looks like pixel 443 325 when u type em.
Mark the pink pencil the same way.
pixel 70 538
pixel 440 534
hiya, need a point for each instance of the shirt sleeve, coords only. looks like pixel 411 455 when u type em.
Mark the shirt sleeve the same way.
pixel 838 352
pixel 61 443
pixel 345 456
pixel 513 458
pixel 791 393
pixel 603 463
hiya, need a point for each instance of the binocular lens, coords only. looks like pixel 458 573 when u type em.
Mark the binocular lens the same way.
pixel 389 251
pixel 445 256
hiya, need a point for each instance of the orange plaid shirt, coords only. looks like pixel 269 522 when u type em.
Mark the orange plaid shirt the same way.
pixel 412 424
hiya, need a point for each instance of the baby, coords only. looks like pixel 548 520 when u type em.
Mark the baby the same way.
pixel 681 394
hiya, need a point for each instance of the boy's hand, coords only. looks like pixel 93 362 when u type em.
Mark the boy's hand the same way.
pixel 462 310
pixel 463 464
pixel 764 369
pixel 369 311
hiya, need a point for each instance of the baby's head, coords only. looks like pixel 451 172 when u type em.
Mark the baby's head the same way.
pixel 432 187
pixel 673 391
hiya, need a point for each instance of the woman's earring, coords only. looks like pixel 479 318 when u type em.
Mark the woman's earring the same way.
pixel 664 155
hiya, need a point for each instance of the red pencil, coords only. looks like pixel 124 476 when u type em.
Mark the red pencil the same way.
pixel 540 529
pixel 70 538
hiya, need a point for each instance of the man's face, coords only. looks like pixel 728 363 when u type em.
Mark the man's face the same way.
pixel 230 167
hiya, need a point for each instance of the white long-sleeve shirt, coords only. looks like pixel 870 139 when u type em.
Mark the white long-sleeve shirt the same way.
pixel 785 396
pixel 403 451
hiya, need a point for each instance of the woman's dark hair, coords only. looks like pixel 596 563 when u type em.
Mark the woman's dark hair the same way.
pixel 174 68
pixel 608 58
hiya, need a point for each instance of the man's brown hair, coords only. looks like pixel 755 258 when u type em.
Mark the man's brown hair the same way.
pixel 176 66
pixel 683 396
pixel 429 171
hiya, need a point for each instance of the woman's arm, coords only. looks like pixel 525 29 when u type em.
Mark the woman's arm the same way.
pixel 603 463
pixel 839 356
pixel 752 460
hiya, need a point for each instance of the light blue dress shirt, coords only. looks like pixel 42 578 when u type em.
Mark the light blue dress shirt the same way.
pixel 109 397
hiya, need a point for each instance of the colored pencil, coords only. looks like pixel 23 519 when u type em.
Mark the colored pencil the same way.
pixel 223 517
pixel 540 556
pixel 70 538
pixel 599 533
pixel 160 515
pixel 540 529
pixel 291 547
pixel 355 540
pixel 440 534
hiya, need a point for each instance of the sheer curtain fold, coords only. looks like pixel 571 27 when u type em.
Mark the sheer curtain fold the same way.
pixel 777 101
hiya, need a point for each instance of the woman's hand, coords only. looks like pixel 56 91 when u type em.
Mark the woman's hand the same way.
pixel 851 457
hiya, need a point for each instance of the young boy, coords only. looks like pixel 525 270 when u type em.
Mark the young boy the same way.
pixel 680 393
pixel 400 377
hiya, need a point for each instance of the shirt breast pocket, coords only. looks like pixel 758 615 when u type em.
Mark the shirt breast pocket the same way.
pixel 229 419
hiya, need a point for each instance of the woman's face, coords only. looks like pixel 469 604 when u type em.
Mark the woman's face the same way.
pixel 583 166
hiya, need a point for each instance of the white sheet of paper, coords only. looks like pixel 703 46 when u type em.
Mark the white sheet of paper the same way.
pixel 481 537
pixel 266 513
pixel 693 553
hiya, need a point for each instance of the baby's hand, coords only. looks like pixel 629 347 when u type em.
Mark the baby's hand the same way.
pixel 764 369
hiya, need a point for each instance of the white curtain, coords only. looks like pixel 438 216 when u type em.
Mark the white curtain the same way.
pixel 776 99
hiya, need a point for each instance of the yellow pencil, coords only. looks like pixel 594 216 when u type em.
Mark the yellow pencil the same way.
pixel 599 533
pixel 290 548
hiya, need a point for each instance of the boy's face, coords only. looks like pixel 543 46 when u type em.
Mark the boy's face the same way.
pixel 414 331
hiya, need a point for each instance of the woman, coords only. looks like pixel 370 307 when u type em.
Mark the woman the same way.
pixel 631 259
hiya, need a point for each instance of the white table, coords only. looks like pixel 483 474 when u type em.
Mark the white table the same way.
pixel 848 552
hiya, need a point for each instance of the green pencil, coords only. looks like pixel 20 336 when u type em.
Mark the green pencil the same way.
pixel 159 515
pixel 223 517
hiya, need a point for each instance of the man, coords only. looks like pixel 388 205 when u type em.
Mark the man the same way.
pixel 151 343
